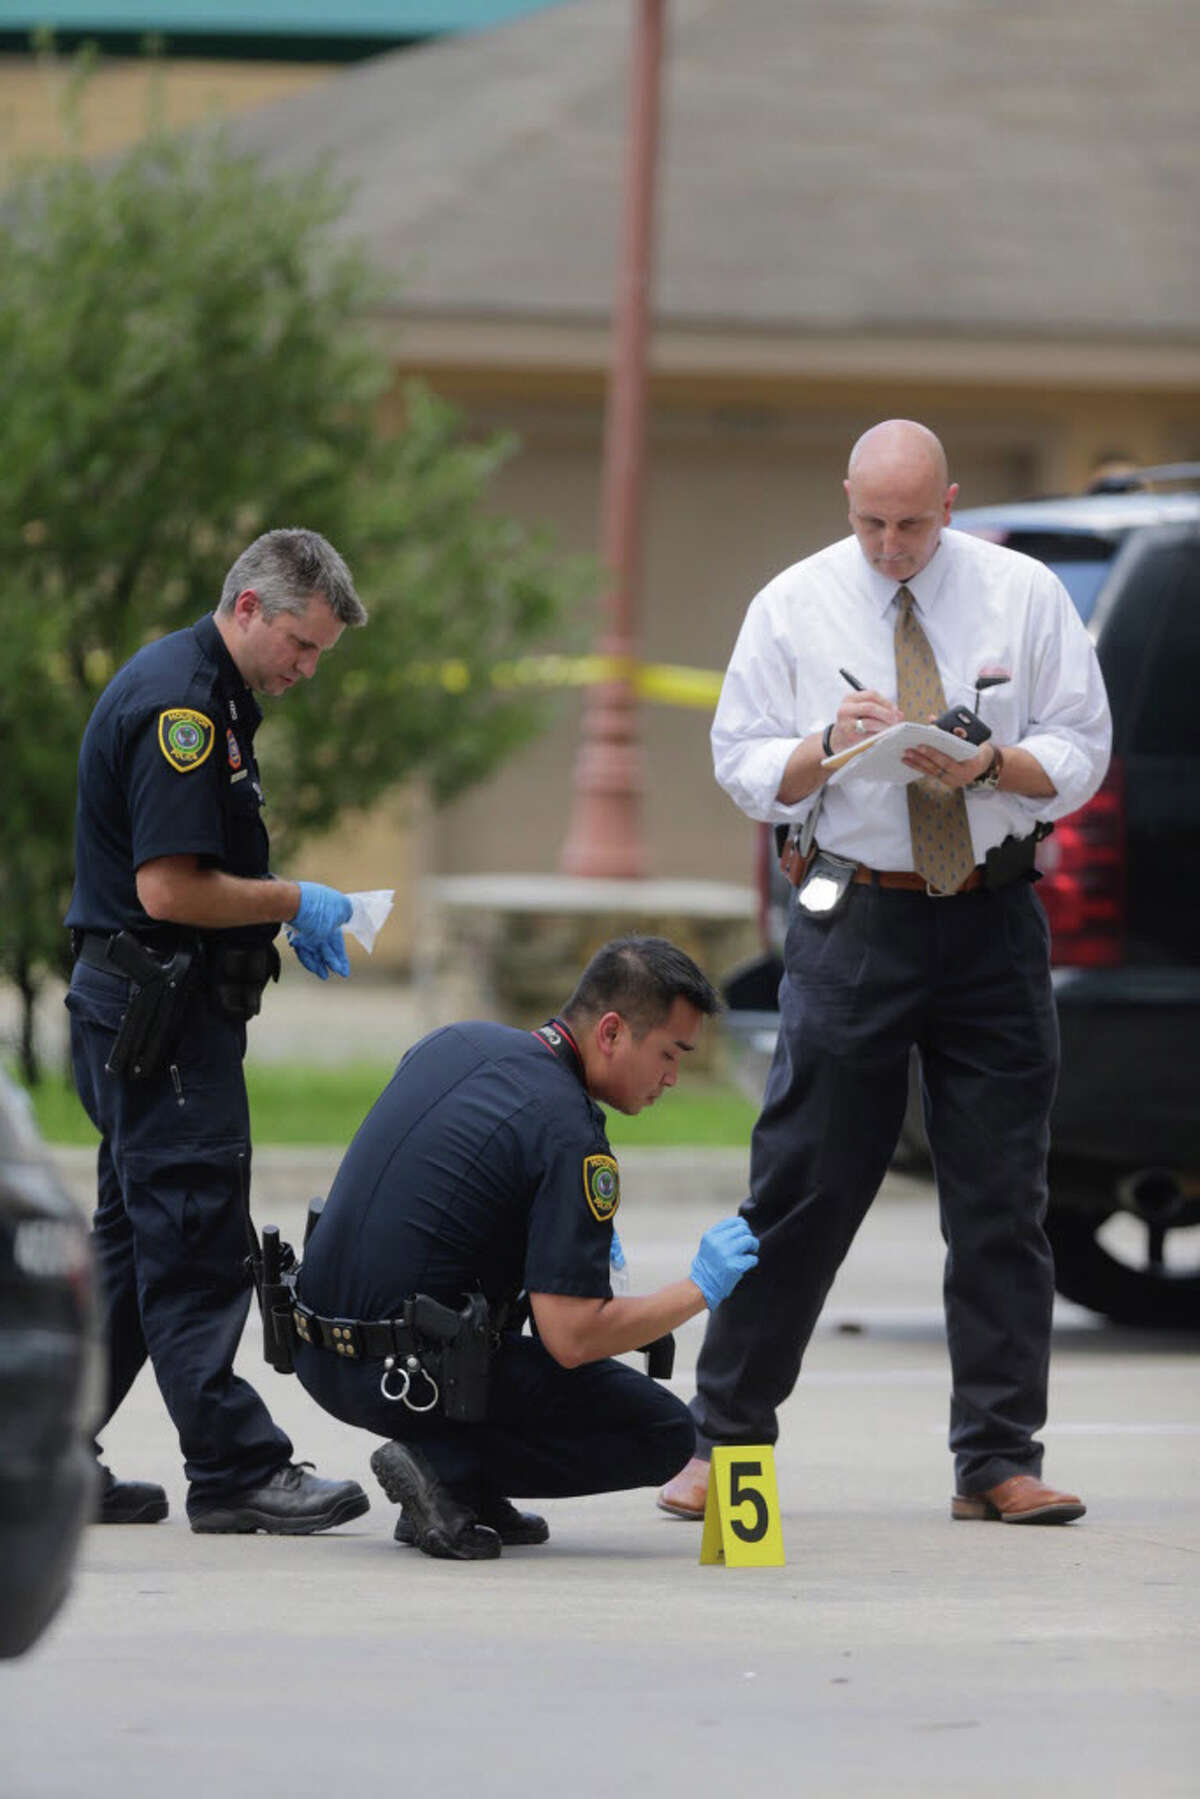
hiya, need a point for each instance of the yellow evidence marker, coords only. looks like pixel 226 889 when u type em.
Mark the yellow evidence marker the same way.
pixel 741 1515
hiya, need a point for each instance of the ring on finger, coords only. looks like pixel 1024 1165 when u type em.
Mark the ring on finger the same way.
pixel 860 725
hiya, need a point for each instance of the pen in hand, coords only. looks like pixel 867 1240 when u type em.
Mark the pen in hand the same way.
pixel 878 715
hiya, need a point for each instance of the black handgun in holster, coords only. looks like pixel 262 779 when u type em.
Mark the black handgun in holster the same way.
pixel 461 1347
pixel 153 1016
pixel 275 1279
pixel 1013 860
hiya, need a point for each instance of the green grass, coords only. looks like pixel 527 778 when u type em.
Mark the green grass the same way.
pixel 699 1113
pixel 306 1105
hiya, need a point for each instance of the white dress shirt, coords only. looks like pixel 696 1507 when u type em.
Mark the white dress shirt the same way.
pixel 983 608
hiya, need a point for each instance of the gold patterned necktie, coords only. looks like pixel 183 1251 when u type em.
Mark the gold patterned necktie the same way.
pixel 937 815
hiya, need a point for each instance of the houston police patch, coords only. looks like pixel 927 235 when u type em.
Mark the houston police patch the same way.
pixel 184 737
pixel 602 1185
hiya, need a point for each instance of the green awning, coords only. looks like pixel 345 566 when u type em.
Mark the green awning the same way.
pixel 382 19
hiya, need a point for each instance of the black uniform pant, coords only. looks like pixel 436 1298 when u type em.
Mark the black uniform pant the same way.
pixel 550 1432
pixel 169 1234
pixel 967 980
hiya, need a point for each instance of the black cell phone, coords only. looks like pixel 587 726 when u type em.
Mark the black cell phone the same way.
pixel 962 722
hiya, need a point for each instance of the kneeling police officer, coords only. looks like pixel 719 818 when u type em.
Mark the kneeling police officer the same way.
pixel 480 1185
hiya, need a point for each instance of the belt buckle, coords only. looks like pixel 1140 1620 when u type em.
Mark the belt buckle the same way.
pixel 951 892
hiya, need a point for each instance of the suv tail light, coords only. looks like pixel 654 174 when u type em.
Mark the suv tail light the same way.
pixel 1083 889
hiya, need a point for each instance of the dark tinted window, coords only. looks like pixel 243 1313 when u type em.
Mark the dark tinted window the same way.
pixel 1165 717
pixel 1080 561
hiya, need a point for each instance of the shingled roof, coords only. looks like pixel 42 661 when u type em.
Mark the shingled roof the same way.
pixel 907 165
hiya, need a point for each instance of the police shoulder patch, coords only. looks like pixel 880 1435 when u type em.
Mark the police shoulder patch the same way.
pixel 602 1186
pixel 184 737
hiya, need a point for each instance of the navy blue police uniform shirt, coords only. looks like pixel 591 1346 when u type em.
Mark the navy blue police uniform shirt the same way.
pixel 483 1166
pixel 167 768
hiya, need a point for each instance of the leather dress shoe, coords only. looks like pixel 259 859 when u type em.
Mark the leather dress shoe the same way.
pixel 129 1501
pixel 292 1502
pixel 686 1495
pixel 515 1529
pixel 442 1526
pixel 1022 1499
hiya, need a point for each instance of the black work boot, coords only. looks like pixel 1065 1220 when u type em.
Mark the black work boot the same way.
pixel 129 1501
pixel 292 1502
pixel 440 1524
pixel 515 1529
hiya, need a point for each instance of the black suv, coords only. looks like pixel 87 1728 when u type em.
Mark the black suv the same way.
pixel 1121 888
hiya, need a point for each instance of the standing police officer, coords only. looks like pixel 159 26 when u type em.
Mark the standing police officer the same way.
pixel 173 918
pixel 483 1173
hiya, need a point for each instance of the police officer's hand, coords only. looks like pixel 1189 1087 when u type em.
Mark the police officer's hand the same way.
pixel 316 931
pixel 323 958
pixel 726 1251
pixel 322 911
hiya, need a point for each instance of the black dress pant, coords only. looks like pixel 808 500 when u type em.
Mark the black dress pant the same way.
pixel 967 980
pixel 550 1432
pixel 169 1234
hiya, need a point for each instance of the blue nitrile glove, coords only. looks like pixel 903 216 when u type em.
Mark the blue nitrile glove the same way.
pixel 316 931
pixel 726 1251
pixel 323 910
pixel 311 955
pixel 618 1268
pixel 321 956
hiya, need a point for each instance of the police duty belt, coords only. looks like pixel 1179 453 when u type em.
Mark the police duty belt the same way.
pixel 427 1340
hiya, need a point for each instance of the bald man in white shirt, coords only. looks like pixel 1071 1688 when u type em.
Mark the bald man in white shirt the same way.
pixel 921 931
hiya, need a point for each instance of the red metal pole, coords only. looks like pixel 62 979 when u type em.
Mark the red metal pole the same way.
pixel 604 837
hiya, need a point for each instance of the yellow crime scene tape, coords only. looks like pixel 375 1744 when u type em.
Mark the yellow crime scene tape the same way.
pixel 667 683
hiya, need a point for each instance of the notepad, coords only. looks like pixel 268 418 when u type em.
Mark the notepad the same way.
pixel 878 758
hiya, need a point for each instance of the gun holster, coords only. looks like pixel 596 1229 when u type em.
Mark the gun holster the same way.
pixel 159 991
pixel 1013 860
pixel 458 1348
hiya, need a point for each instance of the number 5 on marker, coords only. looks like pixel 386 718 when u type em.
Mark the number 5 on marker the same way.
pixel 741 1517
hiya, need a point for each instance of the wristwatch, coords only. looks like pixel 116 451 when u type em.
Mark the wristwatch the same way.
pixel 989 780
pixel 827 740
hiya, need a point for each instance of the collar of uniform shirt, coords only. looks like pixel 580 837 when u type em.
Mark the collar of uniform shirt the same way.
pixel 244 708
pixel 925 587
pixel 558 1038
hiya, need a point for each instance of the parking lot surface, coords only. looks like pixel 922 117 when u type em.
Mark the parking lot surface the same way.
pixel 896 1651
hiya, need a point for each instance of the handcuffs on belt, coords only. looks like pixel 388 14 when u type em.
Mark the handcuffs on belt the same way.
pixel 412 1365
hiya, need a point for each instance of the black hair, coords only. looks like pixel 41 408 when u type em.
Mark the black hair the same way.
pixel 641 978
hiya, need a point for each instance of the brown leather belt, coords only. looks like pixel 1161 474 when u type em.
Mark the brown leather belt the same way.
pixel 910 880
pixel 795 867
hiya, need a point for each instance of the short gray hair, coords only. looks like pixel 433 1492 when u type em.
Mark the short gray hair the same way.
pixel 285 568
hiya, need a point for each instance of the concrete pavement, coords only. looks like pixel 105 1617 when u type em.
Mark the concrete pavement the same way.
pixel 896 1652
